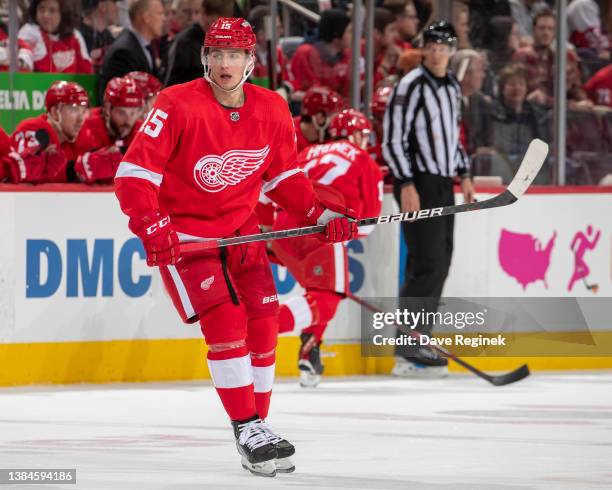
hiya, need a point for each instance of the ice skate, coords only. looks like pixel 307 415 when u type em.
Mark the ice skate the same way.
pixel 284 450
pixel 309 362
pixel 425 364
pixel 253 441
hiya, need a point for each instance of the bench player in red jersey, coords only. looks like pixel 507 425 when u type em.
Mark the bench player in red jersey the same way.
pixel 194 172
pixel 44 146
pixel 109 130
pixel 341 170
pixel 319 105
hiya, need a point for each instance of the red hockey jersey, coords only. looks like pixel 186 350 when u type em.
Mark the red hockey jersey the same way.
pixel 94 133
pixel 29 160
pixel 308 66
pixel 599 87
pixel 348 169
pixel 57 55
pixel 300 139
pixel 205 164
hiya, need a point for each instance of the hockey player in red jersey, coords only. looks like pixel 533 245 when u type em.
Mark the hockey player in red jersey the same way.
pixel 108 131
pixel 377 107
pixel 319 105
pixel 194 172
pixel 149 85
pixel 343 171
pixel 44 146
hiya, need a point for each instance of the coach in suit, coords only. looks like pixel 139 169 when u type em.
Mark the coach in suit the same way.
pixel 131 51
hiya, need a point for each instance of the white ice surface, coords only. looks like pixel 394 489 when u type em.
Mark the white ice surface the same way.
pixel 549 431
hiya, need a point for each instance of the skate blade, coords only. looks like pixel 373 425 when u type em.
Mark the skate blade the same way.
pixel 414 372
pixel 284 465
pixel 266 468
pixel 309 380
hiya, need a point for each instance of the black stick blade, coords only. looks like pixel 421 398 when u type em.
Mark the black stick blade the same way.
pixel 511 377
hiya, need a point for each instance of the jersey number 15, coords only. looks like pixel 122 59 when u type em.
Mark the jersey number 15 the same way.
pixel 154 122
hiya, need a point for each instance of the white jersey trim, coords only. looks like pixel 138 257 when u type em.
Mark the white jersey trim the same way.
pixel 182 292
pixel 339 267
pixel 300 309
pixel 273 184
pixel 231 373
pixel 263 378
pixel 127 169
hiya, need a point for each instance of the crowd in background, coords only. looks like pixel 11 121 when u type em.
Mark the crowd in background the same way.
pixel 504 63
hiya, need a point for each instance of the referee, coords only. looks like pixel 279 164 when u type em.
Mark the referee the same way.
pixel 421 146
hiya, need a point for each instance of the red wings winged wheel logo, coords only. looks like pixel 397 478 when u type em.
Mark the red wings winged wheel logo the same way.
pixel 213 173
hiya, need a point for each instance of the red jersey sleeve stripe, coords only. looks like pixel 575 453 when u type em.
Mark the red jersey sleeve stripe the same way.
pixel 273 184
pixel 127 169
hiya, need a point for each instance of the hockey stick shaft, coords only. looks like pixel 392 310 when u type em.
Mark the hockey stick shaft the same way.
pixel 511 377
pixel 530 166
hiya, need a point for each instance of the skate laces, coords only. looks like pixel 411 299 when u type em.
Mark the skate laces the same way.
pixel 273 438
pixel 253 434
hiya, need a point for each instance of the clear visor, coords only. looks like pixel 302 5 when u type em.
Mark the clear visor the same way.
pixel 227 57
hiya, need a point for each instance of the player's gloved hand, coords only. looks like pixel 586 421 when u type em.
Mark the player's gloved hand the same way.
pixel 98 165
pixel 55 169
pixel 158 237
pixel 339 221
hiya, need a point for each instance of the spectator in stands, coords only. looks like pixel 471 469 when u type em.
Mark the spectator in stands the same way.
pixel 502 40
pixel 44 145
pixel 599 87
pixel 131 51
pixel 184 63
pixel 387 47
pixel 468 66
pixel 514 123
pixel 482 11
pixel 461 23
pixel 319 106
pixel 406 19
pixel 57 46
pixel 585 27
pixel 182 14
pixel 109 130
pixel 98 15
pixel 25 56
pixel 326 62
pixel 149 85
pixel 261 74
pixel 523 11
pixel 539 61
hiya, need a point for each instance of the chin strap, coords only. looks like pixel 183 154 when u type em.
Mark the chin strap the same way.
pixel 321 128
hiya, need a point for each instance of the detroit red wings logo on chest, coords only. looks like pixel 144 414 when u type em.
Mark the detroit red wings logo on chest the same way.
pixel 213 173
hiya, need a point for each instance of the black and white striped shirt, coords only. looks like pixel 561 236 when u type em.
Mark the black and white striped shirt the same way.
pixel 421 127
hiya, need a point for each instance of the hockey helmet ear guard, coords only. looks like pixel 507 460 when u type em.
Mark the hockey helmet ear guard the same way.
pixel 229 33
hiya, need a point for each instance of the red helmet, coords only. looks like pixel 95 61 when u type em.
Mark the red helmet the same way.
pixel 379 101
pixel 230 32
pixel 347 122
pixel 124 92
pixel 148 84
pixel 321 99
pixel 66 93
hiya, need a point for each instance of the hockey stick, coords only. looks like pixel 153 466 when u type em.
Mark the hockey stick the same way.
pixel 496 380
pixel 530 166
